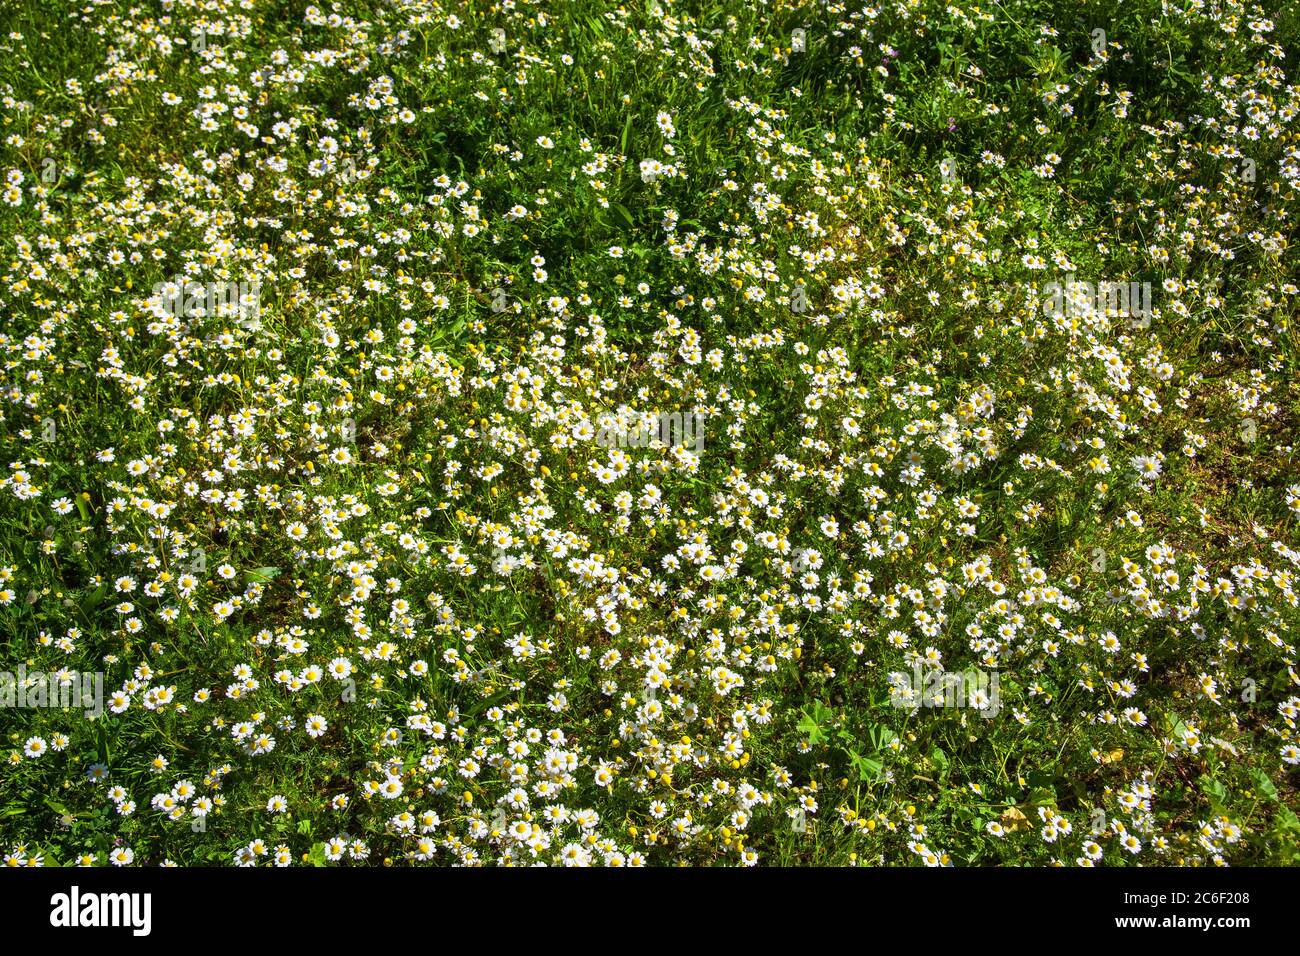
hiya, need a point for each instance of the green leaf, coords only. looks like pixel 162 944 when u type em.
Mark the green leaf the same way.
pixel 813 724
pixel 1263 784
pixel 92 600
pixel 622 143
pixel 261 575
pixel 1215 791
pixel 809 726
pixel 939 758
pixel 1042 797
pixel 868 767
pixel 880 736
pixel 1176 726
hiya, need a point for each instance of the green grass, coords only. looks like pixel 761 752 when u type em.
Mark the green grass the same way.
pixel 915 169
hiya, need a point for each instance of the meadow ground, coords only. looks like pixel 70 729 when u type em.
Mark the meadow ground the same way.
pixel 670 433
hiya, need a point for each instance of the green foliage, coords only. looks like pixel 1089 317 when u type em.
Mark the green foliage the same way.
pixel 364 586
